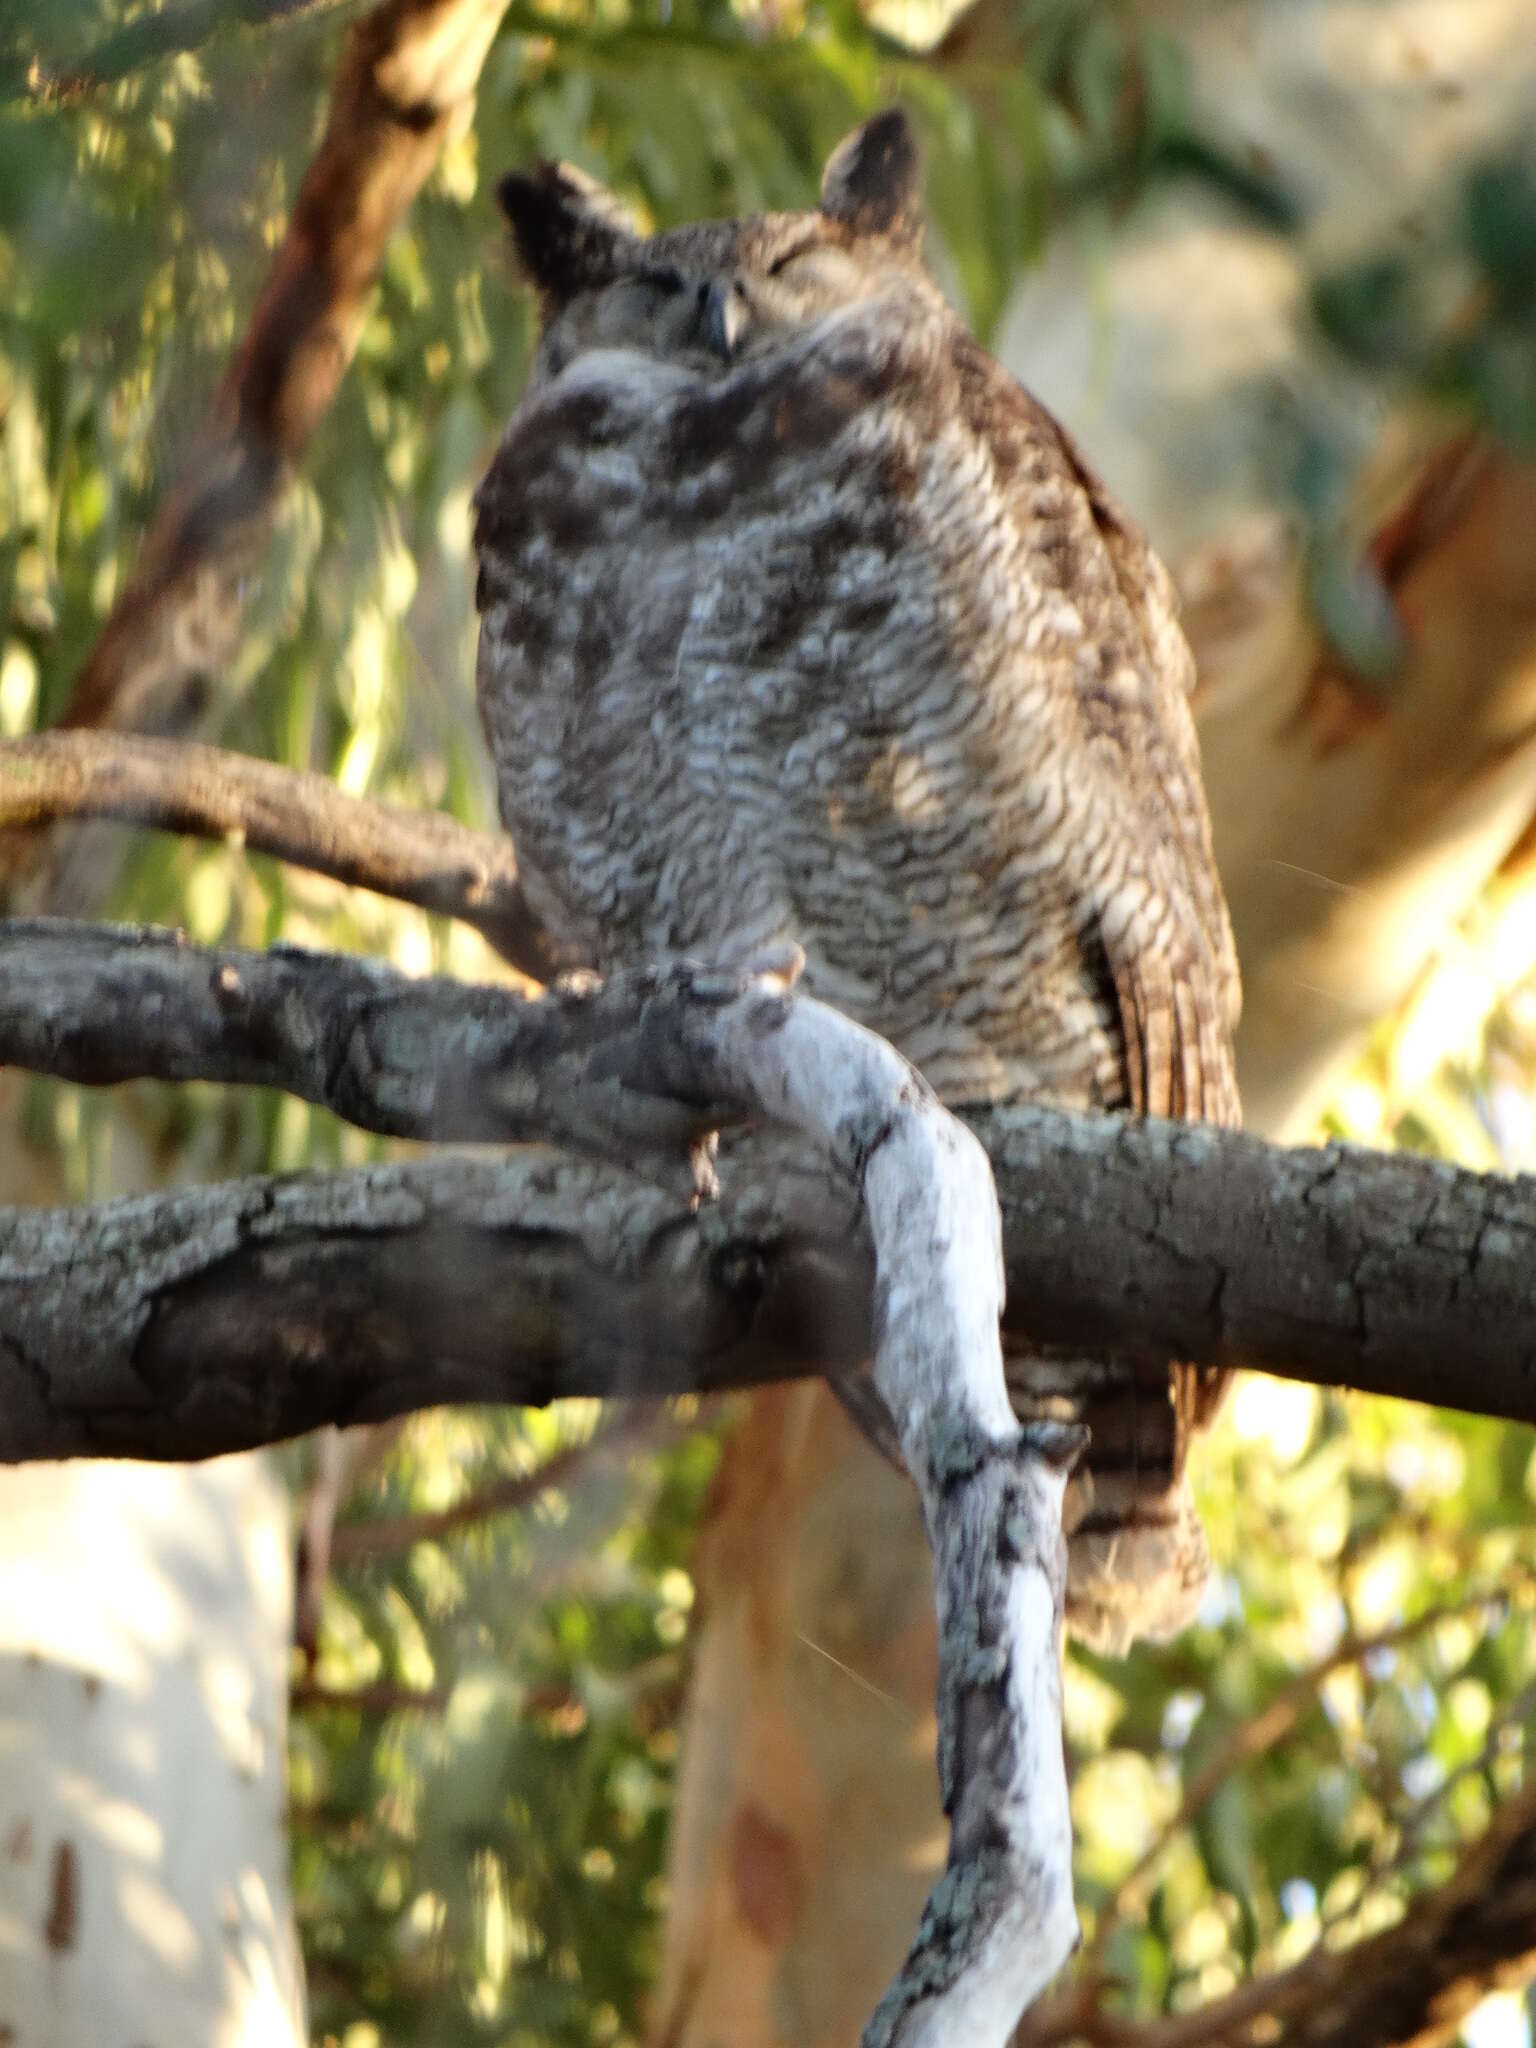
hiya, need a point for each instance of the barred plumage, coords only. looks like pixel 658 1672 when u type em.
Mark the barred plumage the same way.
pixel 802 619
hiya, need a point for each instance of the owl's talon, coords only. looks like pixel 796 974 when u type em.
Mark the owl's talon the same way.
pixel 781 961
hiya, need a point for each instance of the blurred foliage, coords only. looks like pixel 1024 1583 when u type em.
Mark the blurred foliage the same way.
pixel 1358 1695
pixel 478 1836
pixel 1360 1691
pixel 486 1866
pixel 1448 312
pixel 1456 312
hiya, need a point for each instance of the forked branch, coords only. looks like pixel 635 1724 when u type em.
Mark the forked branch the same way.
pixel 1002 1920
pixel 1137 1239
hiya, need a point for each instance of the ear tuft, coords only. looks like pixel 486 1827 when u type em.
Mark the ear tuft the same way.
pixel 570 232
pixel 873 179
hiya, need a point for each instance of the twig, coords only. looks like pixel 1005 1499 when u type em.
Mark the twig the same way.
pixel 312 1552
pixel 387 1697
pixel 1410 1826
pixel 1410 1986
pixel 149 38
pixel 414 856
pixel 1261 1731
pixel 633 1428
pixel 380 1698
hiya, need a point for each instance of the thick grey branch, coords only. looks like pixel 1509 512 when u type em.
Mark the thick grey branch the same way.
pixel 421 857
pixel 1379 1271
pixel 191 1323
pixel 426 1059
pixel 528 1278
pixel 1152 1240
pixel 1001 1922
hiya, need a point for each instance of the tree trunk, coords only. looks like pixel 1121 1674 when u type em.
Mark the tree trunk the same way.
pixel 144 1635
pixel 144 1641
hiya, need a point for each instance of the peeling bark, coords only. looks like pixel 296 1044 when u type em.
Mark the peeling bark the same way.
pixel 1001 1920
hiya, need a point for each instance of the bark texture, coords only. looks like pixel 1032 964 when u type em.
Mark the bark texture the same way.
pixel 433 1058
pixel 420 857
pixel 214 1319
pixel 1001 1921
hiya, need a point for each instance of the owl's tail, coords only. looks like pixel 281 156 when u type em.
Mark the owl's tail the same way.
pixel 1137 1561
pixel 1136 1572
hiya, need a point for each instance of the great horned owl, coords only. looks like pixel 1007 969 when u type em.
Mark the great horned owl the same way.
pixel 801 619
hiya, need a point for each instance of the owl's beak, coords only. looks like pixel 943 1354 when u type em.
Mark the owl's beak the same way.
pixel 723 318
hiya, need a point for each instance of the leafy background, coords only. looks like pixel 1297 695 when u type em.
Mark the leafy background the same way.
pixel 485 1736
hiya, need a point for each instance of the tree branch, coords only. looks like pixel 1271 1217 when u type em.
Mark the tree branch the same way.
pixel 1410 1986
pixel 1001 1921
pixel 383 1697
pixel 195 1322
pixel 405 82
pixel 142 1328
pixel 146 39
pixel 1250 1738
pixel 406 78
pixel 638 1427
pixel 425 1059
pixel 414 856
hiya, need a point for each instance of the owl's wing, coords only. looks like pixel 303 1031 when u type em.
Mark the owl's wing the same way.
pixel 1161 927
pixel 1178 1003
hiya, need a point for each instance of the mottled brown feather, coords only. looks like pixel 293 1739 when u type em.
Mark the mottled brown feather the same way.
pixel 833 634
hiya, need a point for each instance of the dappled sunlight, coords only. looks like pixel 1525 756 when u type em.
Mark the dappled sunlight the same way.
pixel 1271 263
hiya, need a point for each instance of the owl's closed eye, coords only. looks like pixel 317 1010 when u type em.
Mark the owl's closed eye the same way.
pixel 716 293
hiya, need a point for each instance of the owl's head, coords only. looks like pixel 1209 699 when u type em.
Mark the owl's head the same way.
pixel 717 293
